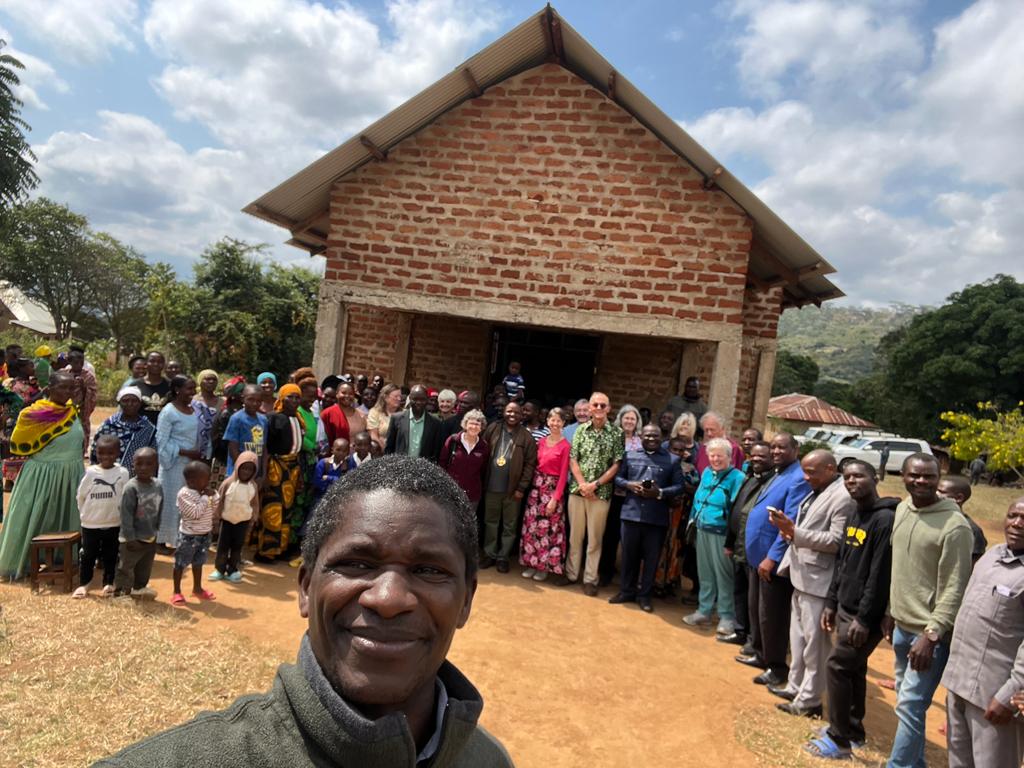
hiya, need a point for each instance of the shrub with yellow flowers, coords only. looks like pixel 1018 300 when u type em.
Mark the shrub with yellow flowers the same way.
pixel 996 433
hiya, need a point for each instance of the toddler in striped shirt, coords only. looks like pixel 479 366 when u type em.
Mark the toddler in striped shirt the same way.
pixel 196 502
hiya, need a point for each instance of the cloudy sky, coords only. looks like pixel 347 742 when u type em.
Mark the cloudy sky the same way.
pixel 887 133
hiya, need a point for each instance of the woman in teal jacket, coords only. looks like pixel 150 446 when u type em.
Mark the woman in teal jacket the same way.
pixel 710 513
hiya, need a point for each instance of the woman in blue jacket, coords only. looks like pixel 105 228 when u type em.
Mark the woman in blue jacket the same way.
pixel 718 487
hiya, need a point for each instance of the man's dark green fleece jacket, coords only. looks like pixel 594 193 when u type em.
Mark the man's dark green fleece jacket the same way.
pixel 302 721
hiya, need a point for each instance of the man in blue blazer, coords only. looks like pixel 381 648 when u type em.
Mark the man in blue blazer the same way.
pixel 651 478
pixel 765 548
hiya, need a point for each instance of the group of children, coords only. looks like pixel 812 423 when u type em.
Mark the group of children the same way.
pixel 120 517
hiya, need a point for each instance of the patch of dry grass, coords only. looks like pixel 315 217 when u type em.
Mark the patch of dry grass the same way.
pixel 79 679
pixel 778 740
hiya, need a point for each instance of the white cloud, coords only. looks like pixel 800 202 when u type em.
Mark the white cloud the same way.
pixel 823 44
pixel 133 181
pixel 37 75
pixel 287 72
pixel 76 30
pixel 910 203
pixel 276 83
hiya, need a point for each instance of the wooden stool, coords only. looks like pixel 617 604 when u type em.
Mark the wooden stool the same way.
pixel 47 546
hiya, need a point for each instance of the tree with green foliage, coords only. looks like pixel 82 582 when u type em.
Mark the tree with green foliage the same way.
pixel 794 374
pixel 119 291
pixel 968 351
pixel 995 433
pixel 46 253
pixel 17 176
pixel 237 315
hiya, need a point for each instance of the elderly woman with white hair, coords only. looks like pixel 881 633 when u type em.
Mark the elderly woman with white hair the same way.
pixel 713 426
pixel 446 400
pixel 464 455
pixel 719 484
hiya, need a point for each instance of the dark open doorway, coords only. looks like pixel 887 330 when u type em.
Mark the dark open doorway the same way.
pixel 558 367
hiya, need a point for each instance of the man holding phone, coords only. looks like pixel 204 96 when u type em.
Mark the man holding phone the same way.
pixel 651 478
pixel 765 545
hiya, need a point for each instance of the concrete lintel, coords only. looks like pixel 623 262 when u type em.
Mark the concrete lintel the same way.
pixel 725 381
pixel 331 334
pixel 763 388
pixel 525 314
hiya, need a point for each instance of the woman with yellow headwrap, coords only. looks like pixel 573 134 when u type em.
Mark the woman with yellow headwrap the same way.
pixel 50 435
pixel 206 405
pixel 284 477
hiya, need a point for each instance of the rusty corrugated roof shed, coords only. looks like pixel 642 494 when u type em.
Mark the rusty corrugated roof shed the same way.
pixel 813 410
pixel 779 255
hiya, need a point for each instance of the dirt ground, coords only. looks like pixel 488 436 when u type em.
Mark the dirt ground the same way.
pixel 570 681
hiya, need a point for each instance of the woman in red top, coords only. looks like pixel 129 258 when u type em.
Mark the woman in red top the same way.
pixel 542 547
pixel 465 454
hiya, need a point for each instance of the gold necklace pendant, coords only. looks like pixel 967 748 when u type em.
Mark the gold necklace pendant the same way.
pixel 500 461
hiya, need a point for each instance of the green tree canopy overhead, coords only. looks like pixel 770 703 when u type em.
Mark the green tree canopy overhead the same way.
pixel 794 374
pixel 118 290
pixel 45 249
pixel 17 176
pixel 968 351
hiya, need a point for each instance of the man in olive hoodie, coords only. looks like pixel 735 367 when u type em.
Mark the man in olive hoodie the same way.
pixel 931 563
pixel 389 574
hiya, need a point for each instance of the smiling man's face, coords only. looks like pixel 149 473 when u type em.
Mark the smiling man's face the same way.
pixel 384 598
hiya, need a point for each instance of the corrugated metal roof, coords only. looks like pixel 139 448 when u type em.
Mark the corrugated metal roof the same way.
pixel 813 410
pixel 300 204
pixel 27 313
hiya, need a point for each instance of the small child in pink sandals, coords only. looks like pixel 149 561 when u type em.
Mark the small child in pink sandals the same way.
pixel 196 502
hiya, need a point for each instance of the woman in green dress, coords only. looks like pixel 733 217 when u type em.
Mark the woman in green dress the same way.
pixel 50 435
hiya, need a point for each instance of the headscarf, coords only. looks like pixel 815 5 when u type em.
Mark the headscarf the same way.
pixel 287 389
pixel 39 424
pixel 207 372
pixel 233 387
pixel 267 375
pixel 129 390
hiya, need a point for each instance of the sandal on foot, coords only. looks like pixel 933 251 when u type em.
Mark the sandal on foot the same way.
pixel 79 593
pixel 827 749
pixel 205 595
pixel 177 599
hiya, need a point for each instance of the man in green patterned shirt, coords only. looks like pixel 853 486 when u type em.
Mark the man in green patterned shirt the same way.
pixel 597 450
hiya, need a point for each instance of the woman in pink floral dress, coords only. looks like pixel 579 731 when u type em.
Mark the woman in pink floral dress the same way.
pixel 542 547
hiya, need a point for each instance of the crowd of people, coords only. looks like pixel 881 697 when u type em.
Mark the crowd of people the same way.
pixel 805 567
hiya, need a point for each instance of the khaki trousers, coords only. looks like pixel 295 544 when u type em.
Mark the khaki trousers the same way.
pixel 586 516
pixel 809 650
pixel 975 743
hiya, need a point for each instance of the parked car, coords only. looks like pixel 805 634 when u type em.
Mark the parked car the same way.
pixel 869 449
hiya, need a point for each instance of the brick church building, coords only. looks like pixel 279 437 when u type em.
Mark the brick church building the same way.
pixel 534 205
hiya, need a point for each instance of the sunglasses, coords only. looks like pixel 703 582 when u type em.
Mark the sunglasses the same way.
pixel 599 406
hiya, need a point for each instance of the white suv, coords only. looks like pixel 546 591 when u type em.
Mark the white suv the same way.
pixel 869 449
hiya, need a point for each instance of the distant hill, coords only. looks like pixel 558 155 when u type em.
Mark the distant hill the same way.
pixel 841 340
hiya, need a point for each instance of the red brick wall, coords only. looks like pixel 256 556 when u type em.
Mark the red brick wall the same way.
pixel 370 341
pixel 448 352
pixel 743 414
pixel 761 310
pixel 638 370
pixel 542 192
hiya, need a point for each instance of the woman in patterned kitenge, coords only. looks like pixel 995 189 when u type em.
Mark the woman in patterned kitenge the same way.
pixel 49 434
pixel 542 547
pixel 284 478
pixel 129 427
pixel 207 404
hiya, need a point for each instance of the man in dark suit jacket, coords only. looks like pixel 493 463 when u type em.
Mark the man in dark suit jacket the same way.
pixel 414 432
pixel 651 478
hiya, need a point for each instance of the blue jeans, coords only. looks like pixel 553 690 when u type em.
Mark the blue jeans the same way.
pixel 914 691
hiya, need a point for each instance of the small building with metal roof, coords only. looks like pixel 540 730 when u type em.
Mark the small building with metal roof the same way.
pixel 534 205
